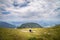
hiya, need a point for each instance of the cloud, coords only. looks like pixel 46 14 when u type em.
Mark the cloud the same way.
pixel 20 3
pixel 30 10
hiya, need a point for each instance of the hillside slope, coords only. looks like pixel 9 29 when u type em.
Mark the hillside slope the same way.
pixel 6 25
pixel 24 34
pixel 30 25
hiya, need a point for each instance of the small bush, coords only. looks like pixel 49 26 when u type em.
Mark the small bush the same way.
pixel 33 38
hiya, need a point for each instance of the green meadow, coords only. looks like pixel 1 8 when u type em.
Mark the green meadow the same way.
pixel 24 34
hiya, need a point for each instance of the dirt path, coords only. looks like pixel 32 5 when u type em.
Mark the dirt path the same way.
pixel 26 31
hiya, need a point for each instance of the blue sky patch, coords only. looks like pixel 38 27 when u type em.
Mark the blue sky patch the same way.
pixel 5 12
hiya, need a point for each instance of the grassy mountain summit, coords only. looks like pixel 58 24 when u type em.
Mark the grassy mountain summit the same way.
pixel 30 25
pixel 24 34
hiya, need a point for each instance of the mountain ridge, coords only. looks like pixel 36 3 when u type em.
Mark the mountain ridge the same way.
pixel 6 25
pixel 30 25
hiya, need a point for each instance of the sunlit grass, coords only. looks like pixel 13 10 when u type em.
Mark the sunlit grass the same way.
pixel 24 34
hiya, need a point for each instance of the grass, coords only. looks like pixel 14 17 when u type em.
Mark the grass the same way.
pixel 24 34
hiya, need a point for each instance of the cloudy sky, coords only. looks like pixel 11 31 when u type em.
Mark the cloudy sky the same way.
pixel 44 12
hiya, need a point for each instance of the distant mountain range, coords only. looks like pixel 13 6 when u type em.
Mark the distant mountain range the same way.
pixel 30 25
pixel 6 25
